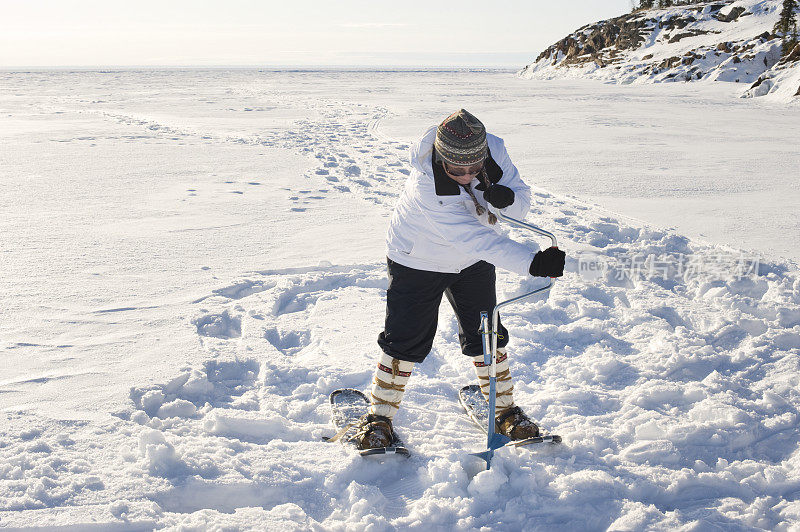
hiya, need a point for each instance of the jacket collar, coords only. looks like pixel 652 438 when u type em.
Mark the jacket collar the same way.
pixel 444 185
pixel 447 187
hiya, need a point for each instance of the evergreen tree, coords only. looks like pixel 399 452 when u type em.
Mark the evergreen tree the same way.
pixel 786 26
pixel 650 4
pixel 787 19
pixel 791 41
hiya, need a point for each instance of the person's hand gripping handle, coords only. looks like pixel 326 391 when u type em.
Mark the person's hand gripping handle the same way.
pixel 548 263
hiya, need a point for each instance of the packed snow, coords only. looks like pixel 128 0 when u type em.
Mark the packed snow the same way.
pixel 193 260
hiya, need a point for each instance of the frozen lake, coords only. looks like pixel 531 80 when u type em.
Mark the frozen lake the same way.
pixel 689 156
pixel 192 260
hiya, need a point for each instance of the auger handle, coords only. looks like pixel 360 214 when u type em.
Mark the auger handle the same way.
pixel 489 332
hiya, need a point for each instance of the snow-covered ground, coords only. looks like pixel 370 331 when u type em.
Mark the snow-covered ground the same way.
pixel 193 260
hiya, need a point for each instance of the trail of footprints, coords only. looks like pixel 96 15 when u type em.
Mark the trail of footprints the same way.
pixel 352 155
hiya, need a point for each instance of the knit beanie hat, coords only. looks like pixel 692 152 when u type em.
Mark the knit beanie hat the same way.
pixel 461 139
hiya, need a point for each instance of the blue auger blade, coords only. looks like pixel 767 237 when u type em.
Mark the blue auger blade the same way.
pixel 486 456
pixel 497 441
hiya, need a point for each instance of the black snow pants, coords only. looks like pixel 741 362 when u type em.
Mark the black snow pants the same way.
pixel 412 309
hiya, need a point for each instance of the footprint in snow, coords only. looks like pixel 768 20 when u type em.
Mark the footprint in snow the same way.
pixel 222 325
pixel 288 342
pixel 219 383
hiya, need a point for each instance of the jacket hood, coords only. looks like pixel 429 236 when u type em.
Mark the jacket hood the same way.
pixel 422 150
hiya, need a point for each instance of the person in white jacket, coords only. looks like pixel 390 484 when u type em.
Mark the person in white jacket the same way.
pixel 442 240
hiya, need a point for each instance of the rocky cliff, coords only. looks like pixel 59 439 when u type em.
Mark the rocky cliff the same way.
pixel 715 41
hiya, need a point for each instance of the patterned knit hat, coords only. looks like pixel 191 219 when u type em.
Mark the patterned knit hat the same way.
pixel 461 139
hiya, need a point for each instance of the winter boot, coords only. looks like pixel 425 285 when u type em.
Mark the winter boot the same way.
pixel 509 419
pixel 373 432
pixel 515 424
pixel 389 385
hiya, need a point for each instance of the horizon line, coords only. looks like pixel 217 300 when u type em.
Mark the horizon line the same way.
pixel 282 67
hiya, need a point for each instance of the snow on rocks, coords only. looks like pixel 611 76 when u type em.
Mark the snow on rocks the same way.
pixel 717 41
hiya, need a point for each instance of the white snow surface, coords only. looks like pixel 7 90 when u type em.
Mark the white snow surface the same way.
pixel 193 260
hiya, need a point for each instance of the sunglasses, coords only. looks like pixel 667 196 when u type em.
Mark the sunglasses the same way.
pixel 461 171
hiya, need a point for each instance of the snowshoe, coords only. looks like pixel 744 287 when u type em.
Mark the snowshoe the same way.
pixel 356 427
pixel 510 423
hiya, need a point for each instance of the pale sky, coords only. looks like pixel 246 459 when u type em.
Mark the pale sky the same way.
pixel 92 33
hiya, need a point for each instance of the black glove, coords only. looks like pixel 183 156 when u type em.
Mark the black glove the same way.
pixel 548 263
pixel 499 196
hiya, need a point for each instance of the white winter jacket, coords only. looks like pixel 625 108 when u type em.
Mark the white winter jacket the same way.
pixel 435 226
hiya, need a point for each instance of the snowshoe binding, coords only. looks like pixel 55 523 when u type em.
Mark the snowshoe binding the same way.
pixel 369 434
pixel 513 423
pixel 374 432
